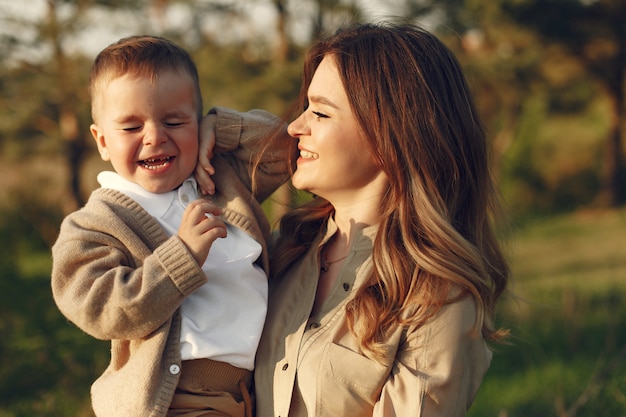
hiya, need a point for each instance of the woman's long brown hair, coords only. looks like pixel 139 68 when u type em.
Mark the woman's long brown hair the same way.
pixel 436 235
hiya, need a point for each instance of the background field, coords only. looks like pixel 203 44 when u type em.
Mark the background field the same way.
pixel 567 356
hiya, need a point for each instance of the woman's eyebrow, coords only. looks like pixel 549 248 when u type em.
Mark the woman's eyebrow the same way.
pixel 322 100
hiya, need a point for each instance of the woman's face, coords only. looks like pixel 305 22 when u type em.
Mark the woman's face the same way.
pixel 335 160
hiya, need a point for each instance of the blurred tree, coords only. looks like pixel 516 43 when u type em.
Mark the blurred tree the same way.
pixel 501 61
pixel 535 66
pixel 70 126
pixel 594 31
pixel 49 81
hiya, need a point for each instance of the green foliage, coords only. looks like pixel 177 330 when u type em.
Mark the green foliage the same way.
pixel 236 77
pixel 48 364
pixel 591 36
pixel 547 81
pixel 553 163
pixel 567 356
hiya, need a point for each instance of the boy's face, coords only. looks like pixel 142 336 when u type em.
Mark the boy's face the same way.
pixel 148 129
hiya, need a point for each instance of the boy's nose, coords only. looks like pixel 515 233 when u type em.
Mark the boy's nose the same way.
pixel 154 135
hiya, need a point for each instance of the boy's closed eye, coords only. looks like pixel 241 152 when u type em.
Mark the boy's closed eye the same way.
pixel 174 124
pixel 131 128
pixel 137 128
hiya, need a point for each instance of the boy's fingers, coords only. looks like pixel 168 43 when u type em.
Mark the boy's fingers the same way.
pixel 206 184
pixel 213 224
pixel 204 161
pixel 200 208
pixel 207 139
pixel 204 168
pixel 217 232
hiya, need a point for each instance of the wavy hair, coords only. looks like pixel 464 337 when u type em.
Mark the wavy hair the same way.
pixel 436 241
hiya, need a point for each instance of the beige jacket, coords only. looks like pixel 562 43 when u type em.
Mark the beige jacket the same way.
pixel 118 276
pixel 312 366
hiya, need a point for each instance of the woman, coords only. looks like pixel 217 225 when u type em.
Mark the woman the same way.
pixel 384 286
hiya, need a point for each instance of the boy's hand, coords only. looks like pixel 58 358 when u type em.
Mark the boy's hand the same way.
pixel 199 228
pixel 204 169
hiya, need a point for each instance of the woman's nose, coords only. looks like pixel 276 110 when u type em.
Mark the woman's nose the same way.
pixel 298 127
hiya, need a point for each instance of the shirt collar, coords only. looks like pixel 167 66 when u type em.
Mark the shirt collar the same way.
pixel 363 239
pixel 156 204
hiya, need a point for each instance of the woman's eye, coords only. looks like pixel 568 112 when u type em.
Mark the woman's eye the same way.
pixel 320 115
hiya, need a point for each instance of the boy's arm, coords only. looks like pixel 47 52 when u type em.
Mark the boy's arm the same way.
pixel 247 138
pixel 111 291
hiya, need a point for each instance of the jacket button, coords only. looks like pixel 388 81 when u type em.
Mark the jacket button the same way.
pixel 174 369
pixel 313 325
pixel 346 286
pixel 285 366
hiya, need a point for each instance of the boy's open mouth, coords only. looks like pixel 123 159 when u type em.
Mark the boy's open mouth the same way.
pixel 155 163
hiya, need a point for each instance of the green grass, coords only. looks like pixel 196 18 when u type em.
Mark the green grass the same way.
pixel 567 314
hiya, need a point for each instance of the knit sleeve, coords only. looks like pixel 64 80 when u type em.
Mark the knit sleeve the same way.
pixel 256 136
pixel 116 278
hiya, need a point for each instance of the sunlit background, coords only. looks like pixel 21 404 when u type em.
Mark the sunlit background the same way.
pixel 549 79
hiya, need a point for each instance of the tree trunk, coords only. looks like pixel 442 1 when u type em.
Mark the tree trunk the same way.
pixel 68 120
pixel 614 193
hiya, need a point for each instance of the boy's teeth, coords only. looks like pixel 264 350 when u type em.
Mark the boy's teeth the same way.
pixel 155 163
pixel 309 155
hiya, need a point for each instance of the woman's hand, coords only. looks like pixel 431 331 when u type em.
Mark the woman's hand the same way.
pixel 204 168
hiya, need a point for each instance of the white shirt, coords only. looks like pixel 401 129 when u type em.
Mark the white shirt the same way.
pixel 223 319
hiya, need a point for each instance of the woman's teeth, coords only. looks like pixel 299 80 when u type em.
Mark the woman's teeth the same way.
pixel 309 155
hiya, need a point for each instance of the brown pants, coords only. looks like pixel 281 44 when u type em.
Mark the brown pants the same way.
pixel 209 388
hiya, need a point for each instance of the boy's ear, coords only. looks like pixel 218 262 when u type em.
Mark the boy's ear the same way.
pixel 98 135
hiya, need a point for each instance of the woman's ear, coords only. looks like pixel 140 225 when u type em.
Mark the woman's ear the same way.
pixel 98 135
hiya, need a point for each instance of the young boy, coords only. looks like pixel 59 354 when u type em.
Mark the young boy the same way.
pixel 148 264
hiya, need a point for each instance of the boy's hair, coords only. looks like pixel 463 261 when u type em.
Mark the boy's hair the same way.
pixel 146 56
